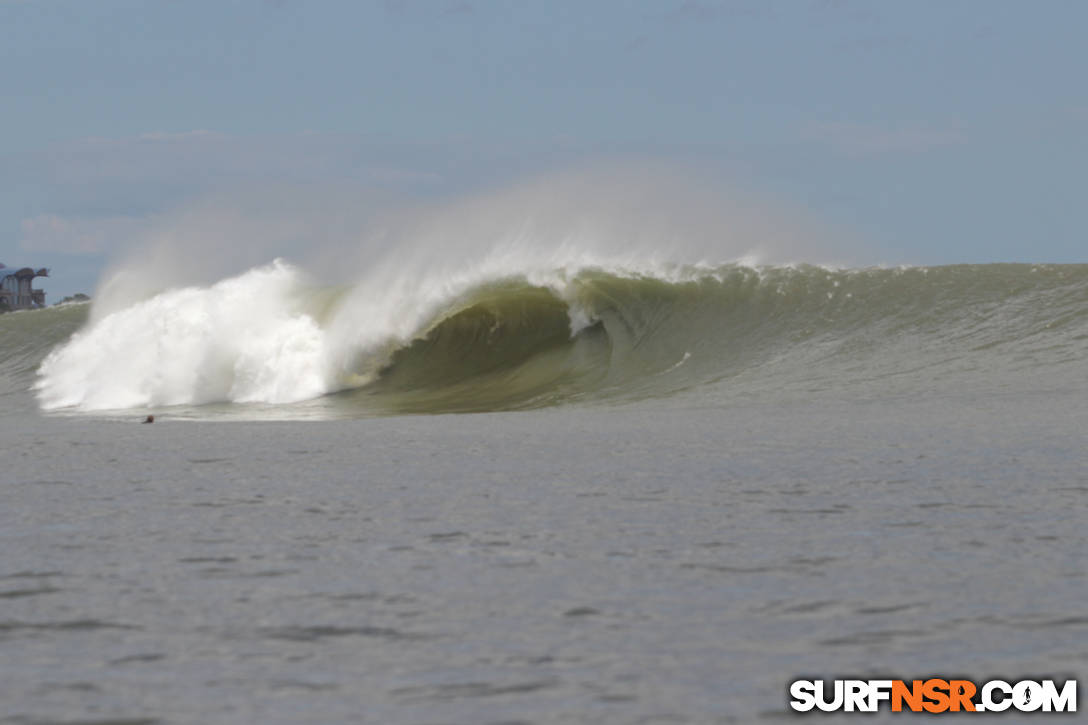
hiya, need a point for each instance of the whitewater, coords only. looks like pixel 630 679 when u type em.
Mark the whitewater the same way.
pixel 564 487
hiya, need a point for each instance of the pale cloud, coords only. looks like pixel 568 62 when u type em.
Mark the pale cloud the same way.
pixel 701 11
pixel 858 139
pixel 203 157
pixel 428 10
pixel 199 133
pixel 460 8
pixel 839 10
pixel 86 236
pixel 693 10
pixel 874 42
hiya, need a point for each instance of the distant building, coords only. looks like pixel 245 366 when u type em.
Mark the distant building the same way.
pixel 16 292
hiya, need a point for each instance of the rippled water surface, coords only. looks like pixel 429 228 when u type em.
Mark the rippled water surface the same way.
pixel 664 561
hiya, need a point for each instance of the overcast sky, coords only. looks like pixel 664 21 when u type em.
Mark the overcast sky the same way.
pixel 943 131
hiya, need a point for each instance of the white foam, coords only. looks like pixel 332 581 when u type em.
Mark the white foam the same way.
pixel 239 340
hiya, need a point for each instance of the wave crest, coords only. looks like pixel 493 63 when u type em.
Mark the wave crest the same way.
pixel 512 339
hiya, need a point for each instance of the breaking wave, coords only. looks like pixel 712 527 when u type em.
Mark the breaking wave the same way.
pixel 504 339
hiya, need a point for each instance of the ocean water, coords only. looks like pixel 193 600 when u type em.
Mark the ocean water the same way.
pixel 584 493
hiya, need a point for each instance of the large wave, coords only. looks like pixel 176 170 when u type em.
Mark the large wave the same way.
pixel 502 337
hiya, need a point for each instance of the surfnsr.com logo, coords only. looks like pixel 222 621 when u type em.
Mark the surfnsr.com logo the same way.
pixel 933 695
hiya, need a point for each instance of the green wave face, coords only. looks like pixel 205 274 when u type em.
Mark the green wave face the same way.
pixel 739 331
pixel 502 346
pixel 602 336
